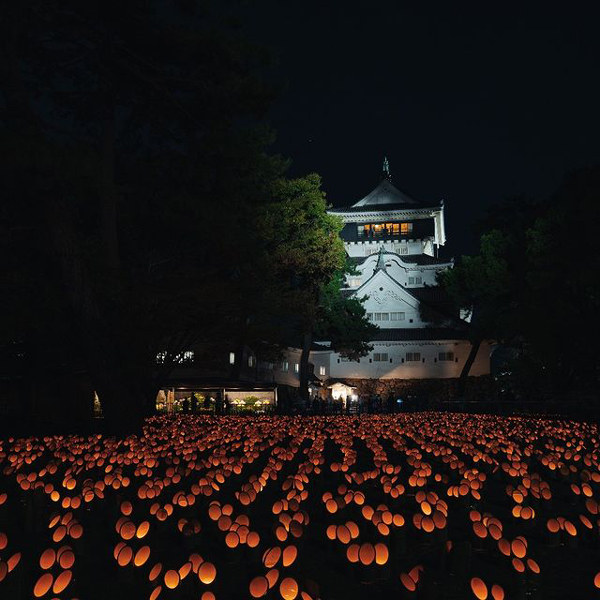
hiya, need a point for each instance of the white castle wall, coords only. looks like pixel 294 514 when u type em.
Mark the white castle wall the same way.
pixel 291 377
pixel 360 249
pixel 398 269
pixel 428 367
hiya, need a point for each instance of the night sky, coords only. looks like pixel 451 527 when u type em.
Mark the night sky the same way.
pixel 473 103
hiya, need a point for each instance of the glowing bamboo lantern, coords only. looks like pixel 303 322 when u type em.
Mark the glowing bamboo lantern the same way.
pixel 196 561
pixel 47 559
pixel 66 557
pixel 288 588
pixel 366 554
pixel 155 572
pixel 533 566
pixel 118 549
pixel 62 582
pixel 343 534
pixel 518 548
pixel 207 573
pixel 289 555
pixel 259 587
pixel 352 553
pixel 479 588
pixel 141 556
pixel 272 577
pixel 408 582
pixel 142 530
pixel 156 592
pixel 126 508
pixel 518 565
pixel 43 585
pixel 75 530
pixel 427 525
pixel 497 592
pixel 381 554
pixel 59 533
pixel 125 556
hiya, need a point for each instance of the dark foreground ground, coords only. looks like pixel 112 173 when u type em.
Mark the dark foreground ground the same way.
pixel 421 505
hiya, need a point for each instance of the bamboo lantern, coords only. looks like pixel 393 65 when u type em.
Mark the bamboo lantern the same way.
pixel 43 585
pixel 259 587
pixel 62 582
pixel 207 573
pixel 479 588
pixel 288 588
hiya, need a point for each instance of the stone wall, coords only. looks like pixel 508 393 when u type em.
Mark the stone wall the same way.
pixel 428 390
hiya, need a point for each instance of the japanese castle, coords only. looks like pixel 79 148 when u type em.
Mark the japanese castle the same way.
pixel 394 242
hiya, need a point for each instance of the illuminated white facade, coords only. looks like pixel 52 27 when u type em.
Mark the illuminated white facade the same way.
pixel 393 242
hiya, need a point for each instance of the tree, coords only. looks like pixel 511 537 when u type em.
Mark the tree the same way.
pixel 483 285
pixel 563 299
pixel 342 319
pixel 134 158
pixel 304 253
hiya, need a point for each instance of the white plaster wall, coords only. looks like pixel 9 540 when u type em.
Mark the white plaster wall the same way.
pixel 386 302
pixel 397 268
pixel 321 359
pixel 383 295
pixel 367 248
pixel 429 368
pixel 292 355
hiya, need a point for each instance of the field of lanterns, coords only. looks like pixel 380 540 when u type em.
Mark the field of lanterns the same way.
pixel 423 505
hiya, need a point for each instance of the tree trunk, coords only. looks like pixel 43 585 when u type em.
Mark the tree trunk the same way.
pixel 240 345
pixel 105 357
pixel 464 374
pixel 108 196
pixel 304 371
pixel 118 382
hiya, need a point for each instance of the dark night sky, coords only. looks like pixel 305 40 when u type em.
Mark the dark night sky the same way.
pixel 473 103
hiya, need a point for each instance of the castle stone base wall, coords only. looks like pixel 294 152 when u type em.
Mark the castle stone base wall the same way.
pixel 424 390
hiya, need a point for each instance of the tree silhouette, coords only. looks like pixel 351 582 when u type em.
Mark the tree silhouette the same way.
pixel 135 162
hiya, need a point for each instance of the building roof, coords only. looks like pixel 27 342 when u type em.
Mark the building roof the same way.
pixel 431 294
pixel 385 193
pixel 411 259
pixel 316 347
pixel 416 334
pixel 422 259
pixel 385 196
pixel 334 380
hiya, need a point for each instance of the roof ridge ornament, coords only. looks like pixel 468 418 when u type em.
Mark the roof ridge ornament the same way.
pixel 386 169
pixel 380 259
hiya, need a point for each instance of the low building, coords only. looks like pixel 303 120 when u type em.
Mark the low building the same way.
pixel 240 381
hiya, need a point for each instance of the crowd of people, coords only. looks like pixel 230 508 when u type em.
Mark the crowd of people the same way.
pixel 372 404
